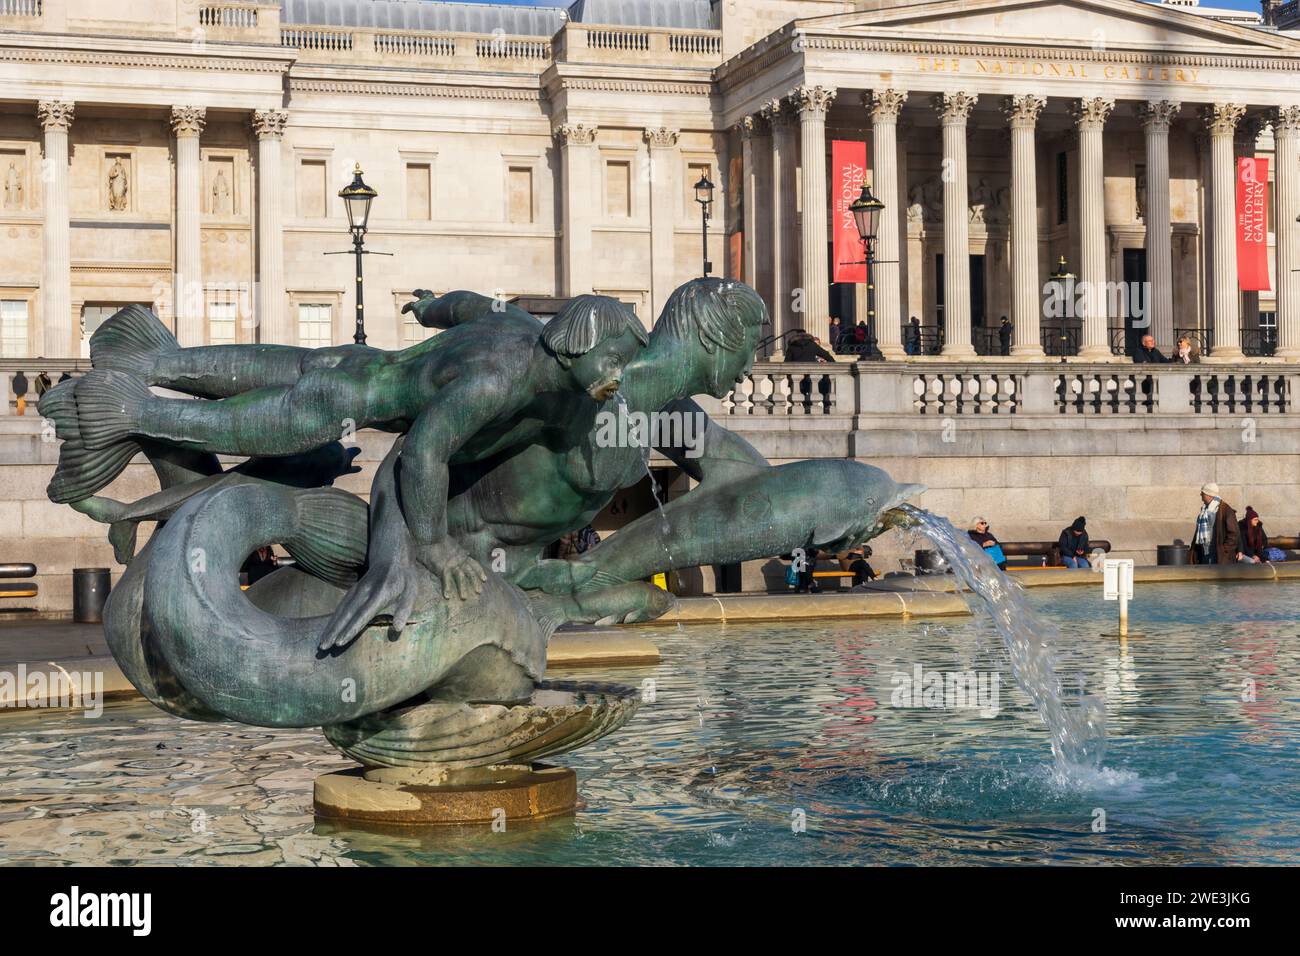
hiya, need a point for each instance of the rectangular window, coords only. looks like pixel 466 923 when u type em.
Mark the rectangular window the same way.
pixel 1062 188
pixel 618 189
pixel 413 333
pixel 315 325
pixel 419 191
pixel 13 328
pixel 222 317
pixel 519 190
pixel 311 189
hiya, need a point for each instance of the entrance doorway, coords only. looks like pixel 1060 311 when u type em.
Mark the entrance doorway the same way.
pixel 1135 303
pixel 981 335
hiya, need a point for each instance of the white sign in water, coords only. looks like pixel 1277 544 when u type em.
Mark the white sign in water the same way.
pixel 1117 574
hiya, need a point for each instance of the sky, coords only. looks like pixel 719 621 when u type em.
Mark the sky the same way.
pixel 1252 5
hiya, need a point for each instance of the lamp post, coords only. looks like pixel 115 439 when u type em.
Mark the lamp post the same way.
pixel 704 196
pixel 866 211
pixel 357 197
pixel 1061 276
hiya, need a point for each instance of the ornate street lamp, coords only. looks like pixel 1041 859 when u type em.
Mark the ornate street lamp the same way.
pixel 704 196
pixel 866 211
pixel 357 197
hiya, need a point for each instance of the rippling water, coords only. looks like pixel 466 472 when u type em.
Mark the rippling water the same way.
pixel 755 729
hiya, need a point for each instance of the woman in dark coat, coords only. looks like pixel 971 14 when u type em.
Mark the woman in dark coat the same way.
pixel 1074 544
pixel 1252 540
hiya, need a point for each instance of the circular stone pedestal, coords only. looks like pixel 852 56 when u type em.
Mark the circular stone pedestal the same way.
pixel 480 795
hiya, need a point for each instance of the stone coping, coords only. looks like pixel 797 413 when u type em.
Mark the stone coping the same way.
pixel 735 608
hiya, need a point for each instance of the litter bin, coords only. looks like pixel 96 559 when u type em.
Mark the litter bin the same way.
pixel 89 592
pixel 1171 554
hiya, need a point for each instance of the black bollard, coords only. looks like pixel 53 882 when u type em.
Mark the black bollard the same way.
pixel 90 587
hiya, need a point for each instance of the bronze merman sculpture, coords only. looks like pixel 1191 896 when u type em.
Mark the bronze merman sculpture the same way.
pixel 413 629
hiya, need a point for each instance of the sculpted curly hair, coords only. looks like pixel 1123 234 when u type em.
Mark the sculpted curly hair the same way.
pixel 586 322
pixel 717 311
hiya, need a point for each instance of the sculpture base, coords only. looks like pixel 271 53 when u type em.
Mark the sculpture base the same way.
pixel 477 796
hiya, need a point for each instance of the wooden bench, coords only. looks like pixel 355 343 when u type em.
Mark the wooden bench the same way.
pixel 1025 551
pixel 18 589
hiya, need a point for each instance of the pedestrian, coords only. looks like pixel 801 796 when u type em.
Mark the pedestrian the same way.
pixel 19 388
pixel 43 384
pixel 913 336
pixel 861 333
pixel 1216 535
pixel 806 583
pixel 64 377
pixel 835 333
pixel 981 535
pixel 1252 541
pixel 258 565
pixel 855 560
pixel 1147 352
pixel 1185 354
pixel 1074 544
pixel 1004 336
pixel 804 348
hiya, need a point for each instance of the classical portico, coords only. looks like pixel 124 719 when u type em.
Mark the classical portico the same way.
pixel 1112 146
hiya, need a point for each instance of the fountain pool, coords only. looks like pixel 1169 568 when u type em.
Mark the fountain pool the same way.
pixel 774 744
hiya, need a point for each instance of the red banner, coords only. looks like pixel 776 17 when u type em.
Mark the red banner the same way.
pixel 1252 224
pixel 848 173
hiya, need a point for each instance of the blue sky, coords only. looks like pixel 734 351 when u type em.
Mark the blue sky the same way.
pixel 1235 4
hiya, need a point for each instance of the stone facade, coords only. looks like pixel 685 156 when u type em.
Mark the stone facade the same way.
pixel 188 155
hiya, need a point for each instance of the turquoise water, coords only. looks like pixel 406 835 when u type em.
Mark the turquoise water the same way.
pixel 755 729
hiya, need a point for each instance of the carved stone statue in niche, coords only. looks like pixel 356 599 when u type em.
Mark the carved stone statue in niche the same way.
pixel 221 193
pixel 925 201
pixel 13 187
pixel 119 186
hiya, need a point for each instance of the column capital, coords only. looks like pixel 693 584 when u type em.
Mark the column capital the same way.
pixel 55 114
pixel 884 105
pixel 1248 130
pixel 575 134
pixel 777 113
pixel 661 137
pixel 1285 120
pixel 749 127
pixel 188 120
pixel 270 124
pixel 1023 111
pixel 1091 112
pixel 1156 116
pixel 812 102
pixel 954 108
pixel 1221 119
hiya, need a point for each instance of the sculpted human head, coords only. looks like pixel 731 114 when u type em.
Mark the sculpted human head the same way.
pixel 712 325
pixel 594 338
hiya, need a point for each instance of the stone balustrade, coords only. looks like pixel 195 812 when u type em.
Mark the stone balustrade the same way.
pixel 21 9
pixel 774 389
pixel 30 368
pixel 525 54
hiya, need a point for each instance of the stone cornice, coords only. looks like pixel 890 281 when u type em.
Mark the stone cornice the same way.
pixel 435 90
pixel 72 57
pixel 613 85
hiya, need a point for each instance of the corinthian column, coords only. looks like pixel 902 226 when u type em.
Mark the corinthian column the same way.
pixel 885 105
pixel 187 125
pixel 954 109
pixel 1221 121
pixel 1155 119
pixel 56 268
pixel 812 103
pixel 272 320
pixel 577 147
pixel 785 243
pixel 1090 117
pixel 662 143
pixel 749 191
pixel 1286 139
pixel 1026 305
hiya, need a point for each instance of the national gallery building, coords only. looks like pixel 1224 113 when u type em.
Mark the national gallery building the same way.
pixel 188 155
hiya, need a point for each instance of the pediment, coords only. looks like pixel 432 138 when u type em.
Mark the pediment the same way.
pixel 1118 24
